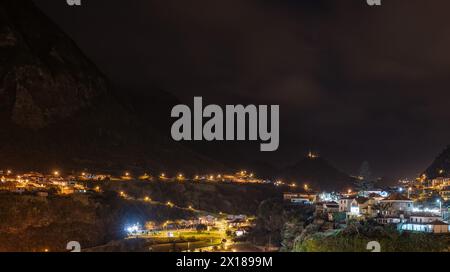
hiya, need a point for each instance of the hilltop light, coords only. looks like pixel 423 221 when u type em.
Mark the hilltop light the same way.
pixel 441 171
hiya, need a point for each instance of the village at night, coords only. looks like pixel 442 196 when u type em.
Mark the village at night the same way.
pixel 238 130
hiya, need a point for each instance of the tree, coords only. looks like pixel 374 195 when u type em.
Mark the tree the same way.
pixel 365 180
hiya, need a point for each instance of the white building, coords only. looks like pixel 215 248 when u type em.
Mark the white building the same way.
pixel 396 204
pixel 345 204
pixel 362 207
pixel 436 226
pixel 385 220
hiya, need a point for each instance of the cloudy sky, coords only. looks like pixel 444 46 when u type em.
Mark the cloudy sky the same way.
pixel 353 82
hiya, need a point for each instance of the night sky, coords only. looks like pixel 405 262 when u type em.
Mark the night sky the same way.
pixel 353 82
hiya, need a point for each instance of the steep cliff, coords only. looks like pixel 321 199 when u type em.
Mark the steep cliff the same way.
pixel 58 110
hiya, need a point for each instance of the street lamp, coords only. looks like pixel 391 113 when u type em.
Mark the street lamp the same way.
pixel 440 206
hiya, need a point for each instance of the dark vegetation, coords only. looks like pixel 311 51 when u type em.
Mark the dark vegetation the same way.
pixel 212 197
pixel 355 237
pixel 440 166
pixel 31 223
pixel 278 224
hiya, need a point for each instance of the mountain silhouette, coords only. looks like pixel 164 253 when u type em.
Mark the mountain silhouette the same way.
pixel 58 110
pixel 318 173
pixel 440 166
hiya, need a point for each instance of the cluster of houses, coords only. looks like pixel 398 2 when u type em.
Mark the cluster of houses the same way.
pixel 440 185
pixel 33 182
pixel 385 208
pixel 240 225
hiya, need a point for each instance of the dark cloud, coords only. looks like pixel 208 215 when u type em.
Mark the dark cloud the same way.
pixel 357 83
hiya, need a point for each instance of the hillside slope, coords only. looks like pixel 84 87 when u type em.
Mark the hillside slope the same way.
pixel 440 166
pixel 318 173
pixel 58 110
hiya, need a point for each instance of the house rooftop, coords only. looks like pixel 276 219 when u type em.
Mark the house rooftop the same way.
pixel 438 223
pixel 361 200
pixel 397 196
pixel 328 203
pixel 374 195
pixel 434 223
pixel 424 214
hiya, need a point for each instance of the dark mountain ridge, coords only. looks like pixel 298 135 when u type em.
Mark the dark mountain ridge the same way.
pixel 58 110
pixel 318 173
pixel 440 166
